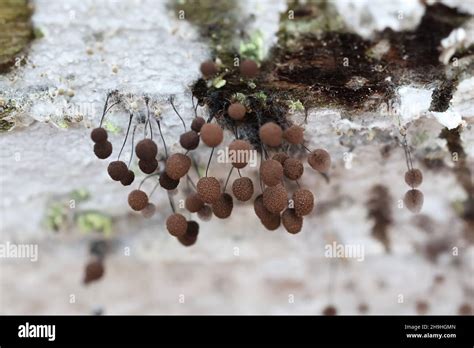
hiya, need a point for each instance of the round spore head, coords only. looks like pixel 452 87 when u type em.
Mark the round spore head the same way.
pixel 320 160
pixel 103 150
pixel 177 165
pixel 128 179
pixel 303 201
pixel 280 157
pixel 294 134
pixel 189 140
pixel 222 208
pixel 117 170
pixel 330 310
pixel 271 172
pixel 94 271
pixel 209 68
pixel 197 124
pixel 270 134
pixel 414 177
pixel 148 166
pixel 148 211
pixel 146 149
pixel 176 224
pixel 205 214
pixel 192 232
pixel 275 198
pixel 236 111
pixel 209 189
pixel 239 153
pixel 242 188
pixel 137 200
pixel 292 222
pixel 249 68
pixel 414 200
pixel 167 183
pixel 193 203
pixel 293 168
pixel 212 134
pixel 99 135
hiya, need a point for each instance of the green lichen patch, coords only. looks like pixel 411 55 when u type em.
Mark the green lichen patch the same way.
pixel 6 109
pixel 16 30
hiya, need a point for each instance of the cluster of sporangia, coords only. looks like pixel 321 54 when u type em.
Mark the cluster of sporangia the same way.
pixel 209 198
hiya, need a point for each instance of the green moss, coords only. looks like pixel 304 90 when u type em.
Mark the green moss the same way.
pixel 15 29
pixel 253 48
pixel 94 221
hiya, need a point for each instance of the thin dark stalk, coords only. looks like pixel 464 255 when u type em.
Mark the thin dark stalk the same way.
pixel 171 203
pixel 146 178
pixel 191 181
pixel 162 138
pixel 133 140
pixel 228 177
pixel 177 113
pixel 126 135
pixel 209 162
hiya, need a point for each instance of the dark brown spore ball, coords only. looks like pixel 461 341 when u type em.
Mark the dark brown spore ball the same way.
pixel 128 178
pixel 249 68
pixel 292 222
pixel 414 177
pixel 197 124
pixel 303 201
pixel 222 208
pixel 465 309
pixel 259 208
pixel 137 200
pixel 176 224
pixel 270 134
pixel 209 189
pixel 280 157
pixel 193 203
pixel 414 200
pixel 271 172
pixel 242 188
pixel 275 198
pixel 167 183
pixel 148 167
pixel 103 150
pixel 294 134
pixel 330 310
pixel 99 135
pixel 212 134
pixel 117 170
pixel 177 165
pixel 146 149
pixel 209 68
pixel 422 307
pixel 320 160
pixel 192 232
pixel 239 153
pixel 94 271
pixel 293 168
pixel 236 111
pixel 271 221
pixel 205 214
pixel 189 140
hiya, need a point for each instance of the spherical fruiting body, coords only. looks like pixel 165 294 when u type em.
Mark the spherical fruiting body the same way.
pixel 192 232
pixel 209 189
pixel 294 134
pixel 320 160
pixel 414 200
pixel 137 200
pixel 292 222
pixel 271 172
pixel 275 198
pixel 177 165
pixel 117 170
pixel 103 150
pixel 99 135
pixel 128 178
pixel 242 188
pixel 212 134
pixel 222 208
pixel 209 68
pixel 280 157
pixel 249 68
pixel 303 201
pixel 236 111
pixel 270 134
pixel 239 153
pixel 148 166
pixel 167 183
pixel 176 224
pixel 414 177
pixel 94 271
pixel 293 168
pixel 146 149
pixel 197 124
pixel 193 203
pixel 189 140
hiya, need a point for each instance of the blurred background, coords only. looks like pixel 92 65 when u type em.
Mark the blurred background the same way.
pixel 58 60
